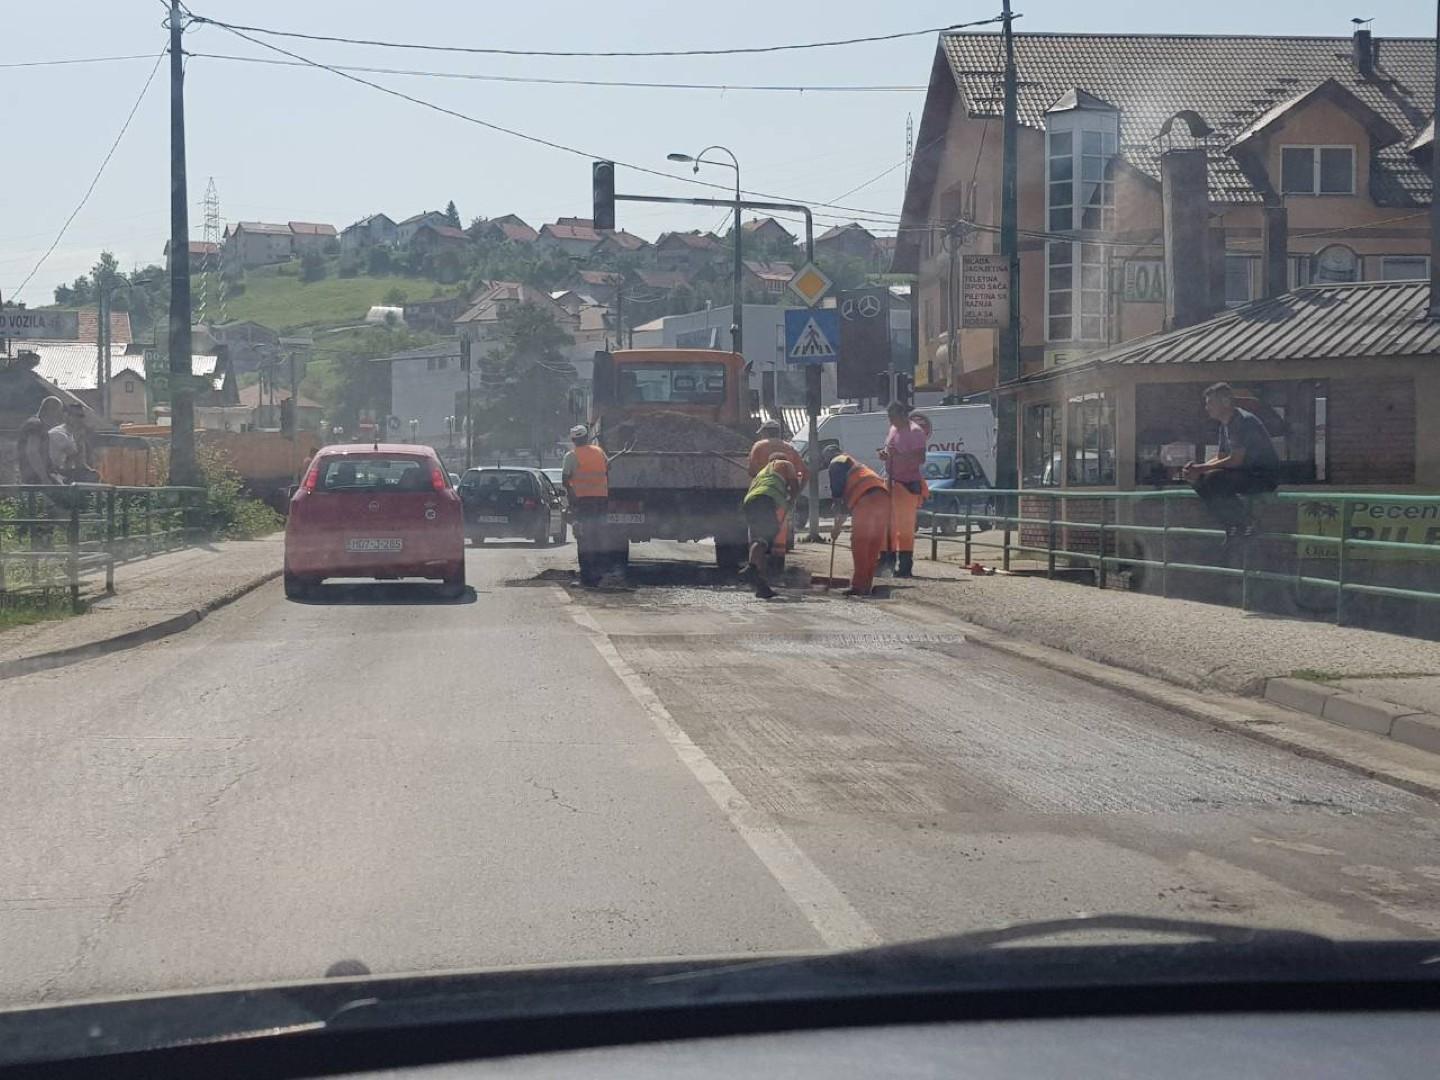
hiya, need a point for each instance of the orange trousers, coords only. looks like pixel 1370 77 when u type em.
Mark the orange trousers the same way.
pixel 903 509
pixel 869 522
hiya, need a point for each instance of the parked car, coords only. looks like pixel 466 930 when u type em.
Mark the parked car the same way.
pixel 374 510
pixel 512 501
pixel 556 477
pixel 948 475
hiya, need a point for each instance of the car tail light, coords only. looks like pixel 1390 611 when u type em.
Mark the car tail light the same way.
pixel 437 478
pixel 312 478
pixel 530 504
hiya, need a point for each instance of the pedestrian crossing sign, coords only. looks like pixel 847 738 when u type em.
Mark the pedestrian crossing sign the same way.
pixel 812 336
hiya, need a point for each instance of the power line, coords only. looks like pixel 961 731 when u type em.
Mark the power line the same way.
pixel 77 60
pixel 628 83
pixel 15 293
pixel 492 51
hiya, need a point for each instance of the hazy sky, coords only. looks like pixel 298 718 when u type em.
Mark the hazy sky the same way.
pixel 293 143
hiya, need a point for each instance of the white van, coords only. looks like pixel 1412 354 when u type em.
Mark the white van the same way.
pixel 966 429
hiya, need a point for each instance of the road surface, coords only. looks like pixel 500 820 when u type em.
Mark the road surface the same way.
pixel 543 774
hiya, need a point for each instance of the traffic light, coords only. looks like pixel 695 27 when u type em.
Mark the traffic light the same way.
pixel 602 183
pixel 882 387
pixel 904 388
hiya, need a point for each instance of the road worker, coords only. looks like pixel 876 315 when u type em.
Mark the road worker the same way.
pixel 586 474
pixel 858 492
pixel 904 457
pixel 769 445
pixel 766 504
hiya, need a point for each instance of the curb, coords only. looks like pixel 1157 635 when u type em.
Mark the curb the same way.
pixel 1413 727
pixel 27 665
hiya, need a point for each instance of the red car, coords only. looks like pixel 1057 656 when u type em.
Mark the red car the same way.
pixel 378 510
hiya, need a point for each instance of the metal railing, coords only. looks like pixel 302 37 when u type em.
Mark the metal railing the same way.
pixel 53 535
pixel 1051 537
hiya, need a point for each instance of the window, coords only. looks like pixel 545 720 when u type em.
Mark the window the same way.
pixel 129 386
pixel 1076 297
pixel 1317 170
pixel 681 384
pixel 1090 187
pixel 1041 447
pixel 1091 441
pixel 1061 198
pixel 362 474
pixel 1404 268
pixel 1239 280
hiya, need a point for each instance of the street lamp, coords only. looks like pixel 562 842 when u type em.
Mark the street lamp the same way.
pixel 450 432
pixel 737 302
pixel 414 430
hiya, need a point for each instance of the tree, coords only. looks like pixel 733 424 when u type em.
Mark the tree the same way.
pixel 452 215
pixel 525 381
pixel 379 262
pixel 394 297
pixel 312 266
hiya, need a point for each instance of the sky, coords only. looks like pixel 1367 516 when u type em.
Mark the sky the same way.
pixel 296 143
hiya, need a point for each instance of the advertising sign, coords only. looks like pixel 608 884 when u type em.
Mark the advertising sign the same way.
pixel 1144 281
pixel 1370 519
pixel 864 340
pixel 984 291
pixel 43 325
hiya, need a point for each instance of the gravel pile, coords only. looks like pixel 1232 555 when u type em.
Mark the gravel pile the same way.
pixel 675 431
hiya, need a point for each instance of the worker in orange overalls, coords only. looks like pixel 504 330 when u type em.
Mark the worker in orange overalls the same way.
pixel 770 445
pixel 586 474
pixel 904 457
pixel 858 492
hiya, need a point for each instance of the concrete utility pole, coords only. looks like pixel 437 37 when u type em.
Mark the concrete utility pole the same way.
pixel 183 467
pixel 1008 369
pixel 1435 185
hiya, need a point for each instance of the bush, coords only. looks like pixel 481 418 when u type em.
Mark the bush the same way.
pixel 312 266
pixel 349 266
pixel 378 262
pixel 228 511
pixel 394 298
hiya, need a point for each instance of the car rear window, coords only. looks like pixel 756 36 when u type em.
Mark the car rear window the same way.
pixel 517 482
pixel 389 472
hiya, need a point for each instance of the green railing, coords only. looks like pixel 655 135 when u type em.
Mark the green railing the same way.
pixel 975 516
pixel 53 535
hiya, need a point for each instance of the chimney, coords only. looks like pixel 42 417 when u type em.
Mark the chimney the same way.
pixel 1363 53
pixel 1275 269
pixel 1185 199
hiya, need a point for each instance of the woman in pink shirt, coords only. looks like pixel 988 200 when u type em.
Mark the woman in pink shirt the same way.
pixel 904 455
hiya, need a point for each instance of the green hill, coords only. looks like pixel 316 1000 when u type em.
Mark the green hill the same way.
pixel 277 298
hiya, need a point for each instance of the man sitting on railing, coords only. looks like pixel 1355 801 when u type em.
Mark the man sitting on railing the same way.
pixel 1245 463
pixel 70 447
pixel 32 448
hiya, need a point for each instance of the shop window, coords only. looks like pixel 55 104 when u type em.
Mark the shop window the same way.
pixel 1090 441
pixel 1041 453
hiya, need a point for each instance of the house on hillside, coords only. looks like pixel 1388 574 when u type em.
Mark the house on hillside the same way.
pixel 601 285
pixel 575 240
pixel 406 230
pixel 688 251
pixel 1264 163
pixel 767 231
pixel 247 343
pixel 256 243
pixel 478 322
pixel 620 242
pixel 436 315
pixel 663 280
pixel 308 236
pixel 368 232
pixel 852 241
pixel 506 229
pixel 768 278
pixel 437 238
pixel 267 404
pixel 203 254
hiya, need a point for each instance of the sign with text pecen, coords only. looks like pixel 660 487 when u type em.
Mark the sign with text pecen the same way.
pixel 41 325
pixel 984 292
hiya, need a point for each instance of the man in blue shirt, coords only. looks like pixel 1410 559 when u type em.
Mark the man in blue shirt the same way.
pixel 1245 463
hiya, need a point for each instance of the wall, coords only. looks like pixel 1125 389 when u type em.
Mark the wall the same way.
pixel 416 392
pixel 130 405
pixel 1371 431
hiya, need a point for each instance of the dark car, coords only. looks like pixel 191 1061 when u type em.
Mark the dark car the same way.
pixel 501 501
pixel 955 481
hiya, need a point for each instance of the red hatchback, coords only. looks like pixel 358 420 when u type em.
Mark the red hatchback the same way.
pixel 375 511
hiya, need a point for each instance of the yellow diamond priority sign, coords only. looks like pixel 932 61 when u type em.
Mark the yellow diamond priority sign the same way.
pixel 810 284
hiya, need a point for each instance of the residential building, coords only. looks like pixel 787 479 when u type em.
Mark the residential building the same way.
pixel 479 321
pixel 852 241
pixel 620 242
pixel 766 231
pixel 250 244
pixel 247 343
pixel 438 314
pixel 574 240
pixel 427 386
pixel 267 403
pixel 688 251
pixel 600 285
pixel 1264 163
pixel 203 253
pixel 507 228
pixel 312 236
pixel 768 278
pixel 437 238
pixel 372 231
pixel 406 230
pixel 664 280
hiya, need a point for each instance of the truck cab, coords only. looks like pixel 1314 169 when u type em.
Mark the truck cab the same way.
pixel 708 383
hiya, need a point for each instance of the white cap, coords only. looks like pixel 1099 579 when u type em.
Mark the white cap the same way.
pixel 579 431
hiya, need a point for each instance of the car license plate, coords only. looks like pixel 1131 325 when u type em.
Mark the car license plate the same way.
pixel 625 519
pixel 491 519
pixel 373 543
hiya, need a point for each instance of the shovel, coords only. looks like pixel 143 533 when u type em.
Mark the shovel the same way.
pixel 831 579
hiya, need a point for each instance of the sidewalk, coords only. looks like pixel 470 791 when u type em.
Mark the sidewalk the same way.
pixel 153 598
pixel 1382 683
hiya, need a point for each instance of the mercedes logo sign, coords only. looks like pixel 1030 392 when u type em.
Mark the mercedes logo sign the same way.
pixel 861 307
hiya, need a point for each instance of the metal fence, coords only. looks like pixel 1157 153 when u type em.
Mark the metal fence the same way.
pixel 53 535
pixel 1145 530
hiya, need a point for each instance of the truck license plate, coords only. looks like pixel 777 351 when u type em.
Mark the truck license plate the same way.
pixel 372 543
pixel 492 519
pixel 625 519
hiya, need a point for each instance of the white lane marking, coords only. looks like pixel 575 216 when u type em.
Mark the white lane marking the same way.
pixel 837 922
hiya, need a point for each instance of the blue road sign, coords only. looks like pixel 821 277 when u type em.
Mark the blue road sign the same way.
pixel 812 336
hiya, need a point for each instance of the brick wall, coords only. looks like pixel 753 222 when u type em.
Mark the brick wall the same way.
pixel 1370 437
pixel 1085 540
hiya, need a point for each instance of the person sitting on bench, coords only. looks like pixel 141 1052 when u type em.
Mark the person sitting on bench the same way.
pixel 1245 464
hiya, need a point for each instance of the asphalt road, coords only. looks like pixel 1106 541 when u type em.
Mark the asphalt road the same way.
pixel 542 774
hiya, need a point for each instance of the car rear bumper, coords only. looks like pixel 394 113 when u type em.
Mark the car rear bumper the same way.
pixel 333 561
pixel 521 523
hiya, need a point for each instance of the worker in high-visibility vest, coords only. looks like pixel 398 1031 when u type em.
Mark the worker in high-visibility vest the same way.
pixel 768 446
pixel 858 492
pixel 586 473
pixel 766 504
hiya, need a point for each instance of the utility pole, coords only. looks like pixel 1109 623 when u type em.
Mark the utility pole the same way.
pixel 102 346
pixel 466 352
pixel 1008 367
pixel 183 467
pixel 1435 186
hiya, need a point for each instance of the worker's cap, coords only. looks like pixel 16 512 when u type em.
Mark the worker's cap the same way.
pixel 786 472
pixel 579 431
pixel 770 426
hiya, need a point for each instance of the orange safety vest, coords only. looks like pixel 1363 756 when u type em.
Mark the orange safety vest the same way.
pixel 591 478
pixel 859 482
pixel 762 451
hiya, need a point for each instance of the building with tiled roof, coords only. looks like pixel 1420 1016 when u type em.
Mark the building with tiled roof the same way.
pixel 368 232
pixel 1288 160
pixel 687 250
pixel 666 280
pixel 767 230
pixel 575 237
pixel 620 242
pixel 766 277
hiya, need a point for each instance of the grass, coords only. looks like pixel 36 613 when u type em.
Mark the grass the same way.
pixel 28 614
pixel 283 302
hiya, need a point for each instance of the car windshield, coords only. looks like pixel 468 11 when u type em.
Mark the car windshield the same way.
pixel 395 569
pixel 678 384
